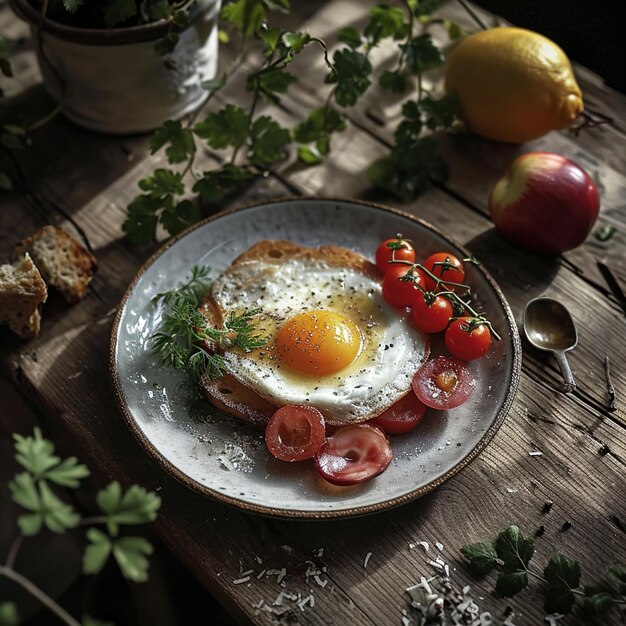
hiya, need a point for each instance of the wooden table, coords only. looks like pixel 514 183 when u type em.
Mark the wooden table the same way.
pixel 83 182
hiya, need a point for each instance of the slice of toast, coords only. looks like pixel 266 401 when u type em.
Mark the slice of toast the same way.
pixel 62 261
pixel 230 395
pixel 22 290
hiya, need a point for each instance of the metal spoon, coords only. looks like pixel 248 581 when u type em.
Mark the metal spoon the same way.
pixel 549 326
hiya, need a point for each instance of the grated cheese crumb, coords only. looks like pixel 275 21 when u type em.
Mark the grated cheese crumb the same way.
pixel 240 581
pixel 535 453
pixel 439 546
pixel 424 545
pixel 367 558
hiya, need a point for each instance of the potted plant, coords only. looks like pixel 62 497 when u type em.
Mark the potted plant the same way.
pixel 124 66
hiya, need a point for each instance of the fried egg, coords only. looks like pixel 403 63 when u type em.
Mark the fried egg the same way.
pixel 332 342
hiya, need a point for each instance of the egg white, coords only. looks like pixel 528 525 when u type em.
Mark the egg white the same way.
pixel 379 376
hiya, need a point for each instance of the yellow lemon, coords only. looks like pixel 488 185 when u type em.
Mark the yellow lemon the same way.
pixel 513 84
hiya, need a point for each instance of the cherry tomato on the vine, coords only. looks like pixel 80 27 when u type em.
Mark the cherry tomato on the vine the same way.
pixel 446 267
pixel 401 285
pixel 396 249
pixel 430 313
pixel 295 433
pixel 468 338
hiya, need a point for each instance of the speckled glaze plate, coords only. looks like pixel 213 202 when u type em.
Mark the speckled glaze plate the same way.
pixel 225 459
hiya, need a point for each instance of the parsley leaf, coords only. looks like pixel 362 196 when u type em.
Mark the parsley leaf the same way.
pixel 351 73
pixel 118 11
pixel 216 184
pixel 223 128
pixel 617 575
pixel 163 183
pixel 515 551
pixel 421 54
pixel 152 10
pixel 36 455
pixel 71 6
pixel 350 36
pixel 268 141
pixel 392 81
pixel 176 217
pixel 482 557
pixel 97 551
pixel 8 614
pixel 46 507
pixel 142 219
pixel 385 21
pixel 598 600
pixel 272 82
pixel 318 128
pixel 135 506
pixel 441 113
pixel 179 140
pixel 562 575
pixel 271 37
pixel 295 40
pixel 130 554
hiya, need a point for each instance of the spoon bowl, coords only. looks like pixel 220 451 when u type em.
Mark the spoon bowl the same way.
pixel 549 326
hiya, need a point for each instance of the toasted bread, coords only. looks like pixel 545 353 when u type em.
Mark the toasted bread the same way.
pixel 228 394
pixel 22 290
pixel 62 261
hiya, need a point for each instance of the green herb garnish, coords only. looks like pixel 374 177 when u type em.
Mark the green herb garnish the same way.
pixel 188 343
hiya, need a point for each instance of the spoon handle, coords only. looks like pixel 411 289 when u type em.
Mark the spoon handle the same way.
pixel 570 383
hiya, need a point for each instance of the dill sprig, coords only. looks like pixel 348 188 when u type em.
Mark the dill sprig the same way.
pixel 185 340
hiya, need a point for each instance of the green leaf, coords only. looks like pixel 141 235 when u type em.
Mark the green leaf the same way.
pixel 135 506
pixel 510 583
pixel 423 8
pixel 392 81
pixel 68 473
pixel 214 185
pixel 130 554
pixel 57 515
pixel 352 70
pixel 268 141
pixel 8 614
pixel 118 11
pixel 213 84
pixel 5 67
pixel 179 141
pixel 274 81
pixel 562 575
pixel 153 10
pixel 310 155
pixel 421 54
pixel 72 5
pixel 162 183
pixel 441 113
pixel 180 216
pixel 141 220
pixel 24 491
pixel 6 184
pixel 617 575
pixel 455 31
pixel 385 21
pixel 350 36
pixel 223 128
pixel 481 556
pixel 597 602
pixel 514 549
pixel 296 40
pixel 97 551
pixel 271 37
pixel 247 16
pixel 410 127
pixel 320 123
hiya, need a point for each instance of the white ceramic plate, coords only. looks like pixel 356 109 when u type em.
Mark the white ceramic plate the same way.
pixel 228 460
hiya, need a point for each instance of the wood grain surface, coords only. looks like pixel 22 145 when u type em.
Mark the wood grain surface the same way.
pixel 83 181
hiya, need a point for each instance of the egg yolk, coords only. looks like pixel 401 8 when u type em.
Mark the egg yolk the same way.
pixel 318 342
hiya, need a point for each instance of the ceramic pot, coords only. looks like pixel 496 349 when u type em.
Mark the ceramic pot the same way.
pixel 113 81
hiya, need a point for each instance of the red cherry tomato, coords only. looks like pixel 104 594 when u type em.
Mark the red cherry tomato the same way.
pixel 295 433
pixel 353 455
pixel 431 317
pixel 443 383
pixel 393 249
pixel 402 292
pixel 445 266
pixel 467 338
pixel 402 416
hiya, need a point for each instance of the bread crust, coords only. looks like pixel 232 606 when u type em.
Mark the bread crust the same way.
pixel 228 394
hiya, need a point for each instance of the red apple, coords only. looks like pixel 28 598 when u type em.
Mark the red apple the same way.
pixel 545 203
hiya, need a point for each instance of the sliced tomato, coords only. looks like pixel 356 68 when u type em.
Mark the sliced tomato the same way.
pixel 353 454
pixel 402 416
pixel 443 383
pixel 295 433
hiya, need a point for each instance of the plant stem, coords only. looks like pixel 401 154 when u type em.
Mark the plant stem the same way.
pixel 473 15
pixel 98 519
pixel 15 546
pixel 34 591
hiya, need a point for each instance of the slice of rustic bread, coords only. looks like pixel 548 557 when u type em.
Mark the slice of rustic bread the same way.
pixel 62 261
pixel 228 394
pixel 22 290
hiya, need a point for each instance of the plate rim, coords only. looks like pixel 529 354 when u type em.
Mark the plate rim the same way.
pixel 277 512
